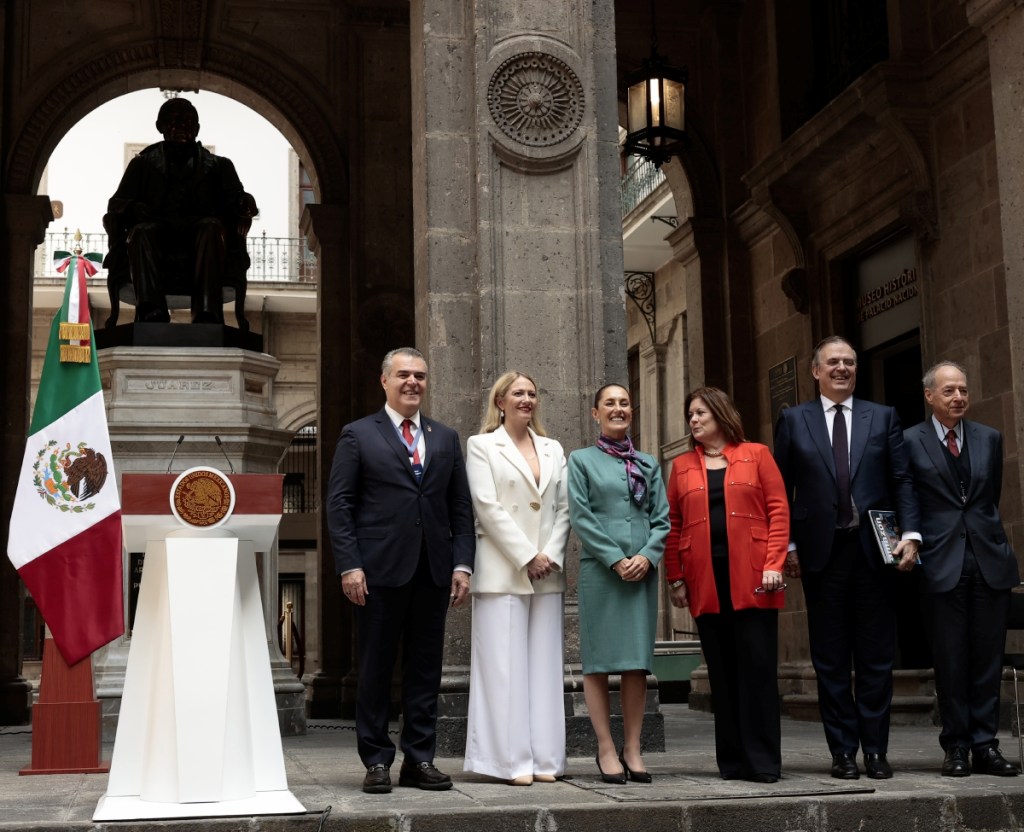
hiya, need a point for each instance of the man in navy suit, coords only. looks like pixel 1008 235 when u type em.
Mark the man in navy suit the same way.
pixel 401 526
pixel 841 457
pixel 967 567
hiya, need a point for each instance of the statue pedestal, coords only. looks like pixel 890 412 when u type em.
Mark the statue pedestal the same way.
pixel 155 395
pixel 178 335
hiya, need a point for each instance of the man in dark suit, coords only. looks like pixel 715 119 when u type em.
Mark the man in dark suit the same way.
pixel 841 457
pixel 401 526
pixel 967 569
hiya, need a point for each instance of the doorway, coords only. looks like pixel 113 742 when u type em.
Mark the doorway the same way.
pixel 890 374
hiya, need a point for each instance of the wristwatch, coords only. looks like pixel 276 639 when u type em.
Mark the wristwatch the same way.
pixel 676 584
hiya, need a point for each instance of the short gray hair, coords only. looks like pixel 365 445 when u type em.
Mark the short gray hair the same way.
pixel 825 342
pixel 928 382
pixel 412 352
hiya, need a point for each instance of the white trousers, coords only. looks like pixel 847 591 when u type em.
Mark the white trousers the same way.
pixel 516 720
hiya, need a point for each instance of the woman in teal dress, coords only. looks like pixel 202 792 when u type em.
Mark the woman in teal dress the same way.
pixel 618 509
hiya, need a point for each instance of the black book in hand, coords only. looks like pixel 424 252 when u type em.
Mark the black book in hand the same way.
pixel 887 534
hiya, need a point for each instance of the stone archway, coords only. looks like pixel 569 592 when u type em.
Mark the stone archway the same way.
pixel 43 112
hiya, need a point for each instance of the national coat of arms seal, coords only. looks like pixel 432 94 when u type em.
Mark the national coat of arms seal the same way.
pixel 67 476
pixel 202 497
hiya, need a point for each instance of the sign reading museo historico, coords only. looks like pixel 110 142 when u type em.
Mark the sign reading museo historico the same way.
pixel 888 303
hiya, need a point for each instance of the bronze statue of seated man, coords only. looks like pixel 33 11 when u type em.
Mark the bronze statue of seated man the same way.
pixel 177 226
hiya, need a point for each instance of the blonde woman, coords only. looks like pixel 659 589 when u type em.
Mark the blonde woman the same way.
pixel 517 478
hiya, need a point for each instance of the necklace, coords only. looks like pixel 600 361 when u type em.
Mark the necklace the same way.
pixel 711 453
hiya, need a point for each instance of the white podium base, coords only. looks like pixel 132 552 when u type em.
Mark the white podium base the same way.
pixel 198 733
pixel 134 808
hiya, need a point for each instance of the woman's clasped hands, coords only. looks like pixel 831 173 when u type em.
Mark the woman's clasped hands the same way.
pixel 540 567
pixel 632 569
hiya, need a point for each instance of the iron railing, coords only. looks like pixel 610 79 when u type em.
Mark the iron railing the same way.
pixel 274 259
pixel 639 182
pixel 299 469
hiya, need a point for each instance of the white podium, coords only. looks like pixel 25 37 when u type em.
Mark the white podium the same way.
pixel 198 734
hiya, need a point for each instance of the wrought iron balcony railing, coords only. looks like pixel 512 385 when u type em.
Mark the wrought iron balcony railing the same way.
pixel 274 259
pixel 639 182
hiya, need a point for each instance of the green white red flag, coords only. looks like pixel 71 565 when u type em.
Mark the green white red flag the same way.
pixel 65 533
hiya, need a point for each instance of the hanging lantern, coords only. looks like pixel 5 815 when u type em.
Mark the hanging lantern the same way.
pixel 656 106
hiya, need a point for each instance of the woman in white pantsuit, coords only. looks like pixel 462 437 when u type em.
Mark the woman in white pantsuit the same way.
pixel 516 728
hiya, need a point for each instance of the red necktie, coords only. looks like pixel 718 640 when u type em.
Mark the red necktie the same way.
pixel 951 443
pixel 407 436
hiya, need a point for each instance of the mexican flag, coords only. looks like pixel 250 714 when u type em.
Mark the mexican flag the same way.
pixel 65 538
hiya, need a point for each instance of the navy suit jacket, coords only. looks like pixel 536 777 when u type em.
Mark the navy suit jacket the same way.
pixel 379 517
pixel 879 476
pixel 948 521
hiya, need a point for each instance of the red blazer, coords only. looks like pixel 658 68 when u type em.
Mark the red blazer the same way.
pixel 757 523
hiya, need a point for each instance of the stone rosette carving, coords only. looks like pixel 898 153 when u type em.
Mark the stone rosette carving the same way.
pixel 535 99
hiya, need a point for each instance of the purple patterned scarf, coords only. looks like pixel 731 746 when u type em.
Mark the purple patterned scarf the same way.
pixel 627 453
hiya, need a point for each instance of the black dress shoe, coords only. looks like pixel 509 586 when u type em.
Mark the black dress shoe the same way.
pixel 955 764
pixel 615 779
pixel 377 780
pixel 844 767
pixel 877 767
pixel 635 776
pixel 990 761
pixel 423 776
pixel 763 778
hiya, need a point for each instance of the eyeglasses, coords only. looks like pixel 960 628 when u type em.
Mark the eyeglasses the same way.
pixel 760 590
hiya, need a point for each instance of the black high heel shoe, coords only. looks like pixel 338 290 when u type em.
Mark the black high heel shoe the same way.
pixel 635 776
pixel 616 779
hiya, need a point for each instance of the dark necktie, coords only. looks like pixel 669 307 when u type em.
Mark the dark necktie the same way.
pixel 841 454
pixel 417 468
pixel 951 443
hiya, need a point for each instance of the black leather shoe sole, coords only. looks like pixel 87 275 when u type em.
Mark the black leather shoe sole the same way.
pixel 377 782
pixel 844 767
pixel 996 772
pixel 414 782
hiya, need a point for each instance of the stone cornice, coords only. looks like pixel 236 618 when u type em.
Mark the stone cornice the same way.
pixel 988 13
pixel 28 216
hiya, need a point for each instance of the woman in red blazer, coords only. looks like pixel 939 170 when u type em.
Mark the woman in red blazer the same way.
pixel 724 558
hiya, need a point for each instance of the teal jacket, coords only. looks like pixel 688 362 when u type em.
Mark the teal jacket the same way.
pixel 607 521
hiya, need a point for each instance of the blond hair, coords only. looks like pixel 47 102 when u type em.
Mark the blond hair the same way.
pixel 493 417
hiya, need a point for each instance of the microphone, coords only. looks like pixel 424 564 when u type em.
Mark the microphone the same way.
pixel 221 446
pixel 174 453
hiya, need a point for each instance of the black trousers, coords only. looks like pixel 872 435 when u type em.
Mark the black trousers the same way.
pixel 968 626
pixel 411 617
pixel 741 650
pixel 851 622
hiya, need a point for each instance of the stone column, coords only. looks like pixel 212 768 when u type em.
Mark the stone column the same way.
pixel 326 230
pixel 653 410
pixel 518 237
pixel 24 221
pixel 1002 21
pixel 698 245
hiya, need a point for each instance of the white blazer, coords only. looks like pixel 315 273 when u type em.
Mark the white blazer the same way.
pixel 515 517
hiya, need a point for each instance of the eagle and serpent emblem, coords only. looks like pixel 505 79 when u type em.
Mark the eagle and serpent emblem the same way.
pixel 202 497
pixel 67 477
